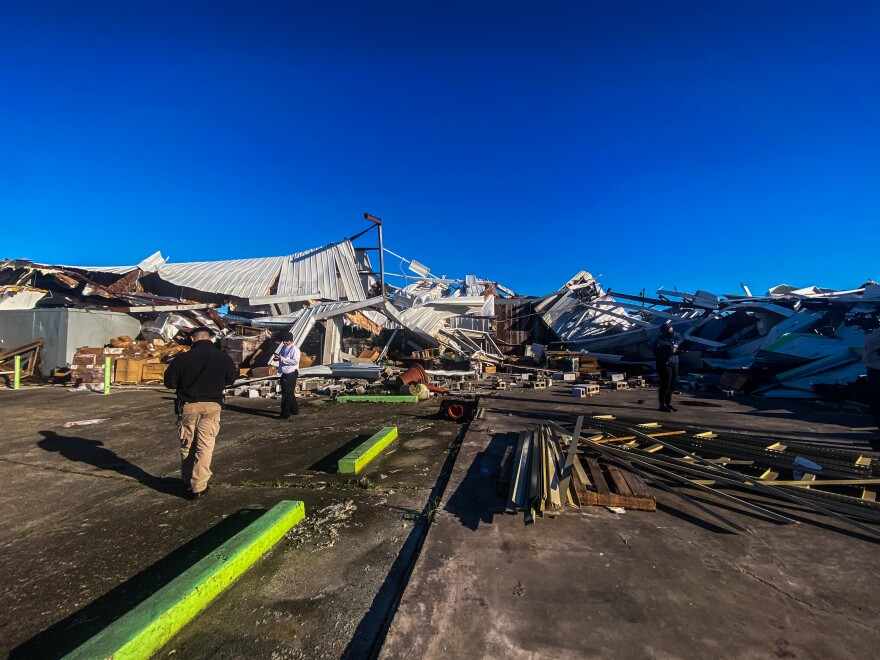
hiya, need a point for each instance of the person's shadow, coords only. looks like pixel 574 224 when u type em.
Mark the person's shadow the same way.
pixel 92 452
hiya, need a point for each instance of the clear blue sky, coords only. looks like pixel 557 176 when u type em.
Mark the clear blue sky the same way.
pixel 689 144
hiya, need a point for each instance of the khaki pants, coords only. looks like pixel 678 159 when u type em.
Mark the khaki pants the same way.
pixel 197 426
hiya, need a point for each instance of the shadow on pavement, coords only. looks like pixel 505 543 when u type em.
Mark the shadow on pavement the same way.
pixel 258 412
pixel 93 452
pixel 475 499
pixel 68 634
pixel 676 512
pixel 367 640
pixel 330 463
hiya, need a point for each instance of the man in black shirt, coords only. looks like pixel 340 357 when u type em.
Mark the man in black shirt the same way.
pixel 199 377
pixel 666 355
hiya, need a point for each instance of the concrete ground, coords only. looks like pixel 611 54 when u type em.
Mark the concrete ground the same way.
pixel 668 584
pixel 92 521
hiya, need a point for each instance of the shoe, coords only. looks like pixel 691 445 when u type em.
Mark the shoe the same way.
pixel 672 408
pixel 197 496
pixel 665 409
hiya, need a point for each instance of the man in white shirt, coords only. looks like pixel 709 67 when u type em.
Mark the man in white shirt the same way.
pixel 288 364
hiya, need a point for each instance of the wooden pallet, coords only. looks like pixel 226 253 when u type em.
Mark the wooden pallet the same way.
pixel 601 484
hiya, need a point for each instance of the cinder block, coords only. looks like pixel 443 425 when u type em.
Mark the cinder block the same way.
pixel 583 391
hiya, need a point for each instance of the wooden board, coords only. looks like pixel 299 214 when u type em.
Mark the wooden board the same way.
pixel 597 477
pixel 613 499
pixel 631 491
pixel 620 484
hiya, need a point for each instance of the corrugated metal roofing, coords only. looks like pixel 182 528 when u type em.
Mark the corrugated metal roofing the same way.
pixel 243 278
pixel 425 318
pixel 330 271
pixel 150 265
pixel 304 320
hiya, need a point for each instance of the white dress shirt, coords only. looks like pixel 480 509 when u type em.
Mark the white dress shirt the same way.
pixel 288 358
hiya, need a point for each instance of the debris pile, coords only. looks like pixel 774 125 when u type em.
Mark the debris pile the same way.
pixel 790 343
pixel 546 472
pixel 344 313
pixel 767 475
pixel 28 357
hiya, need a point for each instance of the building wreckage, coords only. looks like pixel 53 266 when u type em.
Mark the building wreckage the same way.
pixel 346 316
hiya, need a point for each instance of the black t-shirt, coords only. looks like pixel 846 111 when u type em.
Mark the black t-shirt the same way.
pixel 201 374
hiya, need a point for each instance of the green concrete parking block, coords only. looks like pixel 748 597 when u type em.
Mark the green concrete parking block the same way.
pixel 391 398
pixel 354 461
pixel 149 626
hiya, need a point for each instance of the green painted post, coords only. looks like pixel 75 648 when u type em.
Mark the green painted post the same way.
pixel 17 381
pixel 107 375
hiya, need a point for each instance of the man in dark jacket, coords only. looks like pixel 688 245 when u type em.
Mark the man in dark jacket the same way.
pixel 666 354
pixel 872 365
pixel 199 376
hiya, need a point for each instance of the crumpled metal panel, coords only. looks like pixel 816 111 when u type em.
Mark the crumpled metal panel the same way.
pixel 423 290
pixel 330 270
pixel 149 265
pixel 316 270
pixel 362 260
pixel 301 322
pixel 425 318
pixel 242 278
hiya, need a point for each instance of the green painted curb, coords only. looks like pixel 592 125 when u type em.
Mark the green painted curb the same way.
pixel 149 626
pixel 354 461
pixel 391 398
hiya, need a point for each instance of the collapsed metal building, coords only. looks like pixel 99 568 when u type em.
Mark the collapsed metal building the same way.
pixel 341 308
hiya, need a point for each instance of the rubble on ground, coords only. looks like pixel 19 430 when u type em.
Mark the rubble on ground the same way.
pixel 352 325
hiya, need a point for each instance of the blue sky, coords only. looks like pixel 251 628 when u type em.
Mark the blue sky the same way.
pixel 688 144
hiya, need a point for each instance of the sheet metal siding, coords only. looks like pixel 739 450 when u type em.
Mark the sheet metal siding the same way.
pixel 331 270
pixel 425 319
pixel 113 270
pixel 304 272
pixel 302 321
pixel 348 271
pixel 362 260
pixel 480 323
pixel 243 278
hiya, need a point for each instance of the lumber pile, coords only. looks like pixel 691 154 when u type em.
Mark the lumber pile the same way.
pixel 28 353
pixel 611 463
pixel 752 474
pixel 548 472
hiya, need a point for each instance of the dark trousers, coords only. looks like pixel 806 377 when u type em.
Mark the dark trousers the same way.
pixel 874 393
pixel 289 406
pixel 668 381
